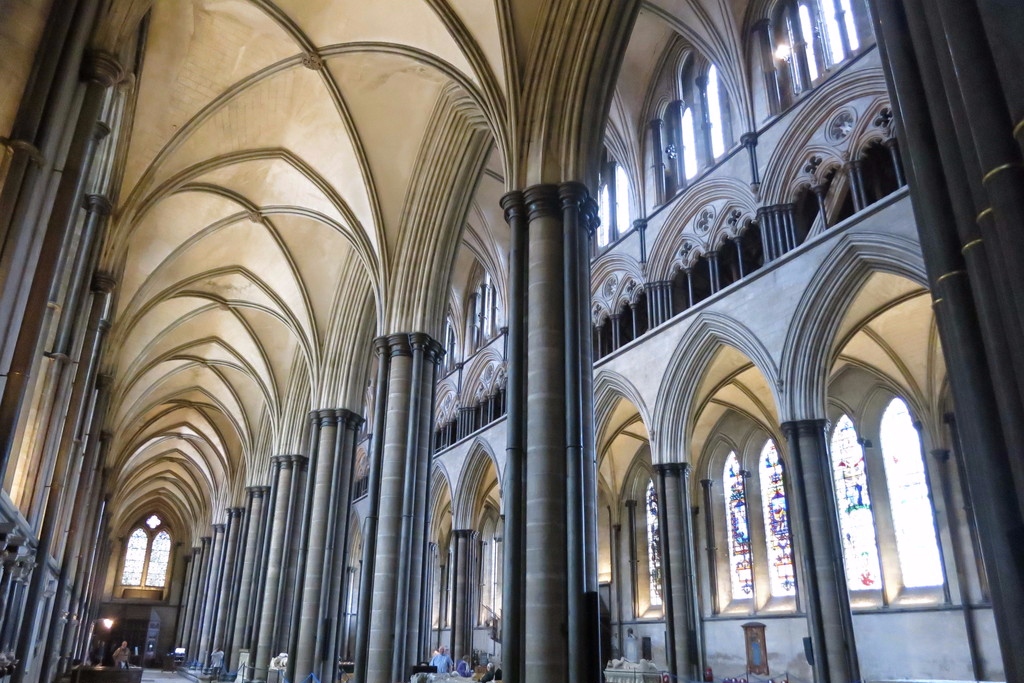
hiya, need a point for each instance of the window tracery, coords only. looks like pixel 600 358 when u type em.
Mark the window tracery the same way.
pixel 147 557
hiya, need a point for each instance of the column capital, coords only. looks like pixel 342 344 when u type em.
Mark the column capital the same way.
pixel 280 461
pixel 299 461
pixel 749 140
pixel 98 204
pixel 103 282
pixel 941 454
pixel 655 123
pixel 542 201
pixel 794 428
pixel 234 513
pixel 380 345
pixel 206 540
pixel 104 381
pixel 349 418
pixel 327 417
pixel 219 528
pixel 102 67
pixel 398 345
pixel 673 468
pixel 513 205
pixel 197 550
pixel 573 194
pixel 257 491
pixel 631 503
pixel 467 534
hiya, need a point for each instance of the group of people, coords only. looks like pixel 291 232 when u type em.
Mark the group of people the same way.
pixel 444 664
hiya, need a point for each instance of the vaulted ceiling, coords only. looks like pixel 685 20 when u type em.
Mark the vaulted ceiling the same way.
pixel 299 176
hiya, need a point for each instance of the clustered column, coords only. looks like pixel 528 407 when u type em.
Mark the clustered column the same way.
pixel 392 594
pixel 679 577
pixel 816 532
pixel 953 69
pixel 550 449
pixel 322 584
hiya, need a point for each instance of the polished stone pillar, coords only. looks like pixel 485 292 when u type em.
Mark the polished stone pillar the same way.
pixel 818 540
pixel 198 601
pixel 463 604
pixel 964 174
pixel 707 497
pixel 220 636
pixel 187 597
pixel 682 616
pixel 251 545
pixel 557 585
pixel 658 161
pixel 267 647
pixel 337 562
pixel 392 619
pixel 321 483
pixel 211 595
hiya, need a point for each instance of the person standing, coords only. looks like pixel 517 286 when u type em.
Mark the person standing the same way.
pixel 216 663
pixel 442 661
pixel 121 655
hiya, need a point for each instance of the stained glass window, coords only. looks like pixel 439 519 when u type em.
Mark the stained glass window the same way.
pixel 653 544
pixel 739 536
pixel 135 558
pixel 912 515
pixel 159 554
pixel 781 576
pixel 856 520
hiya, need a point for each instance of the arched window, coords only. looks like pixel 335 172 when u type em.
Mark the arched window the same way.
pixel 807 29
pixel 689 144
pixel 159 556
pixel 781 576
pixel 135 558
pixel 653 544
pixel 604 215
pixel 740 566
pixel 147 556
pixel 613 204
pixel 912 516
pixel 856 519
pixel 715 113
pixel 622 204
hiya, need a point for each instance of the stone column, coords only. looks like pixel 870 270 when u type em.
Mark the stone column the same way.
pixel 250 547
pixel 705 151
pixel 35 264
pixel 682 617
pixel 200 593
pixel 709 533
pixel 462 604
pixel 336 560
pixel 186 594
pixel 629 551
pixel 514 484
pixel 311 582
pixel 283 466
pixel 818 539
pixel 393 619
pixel 227 579
pixel 211 594
pixel 658 161
pixel 964 250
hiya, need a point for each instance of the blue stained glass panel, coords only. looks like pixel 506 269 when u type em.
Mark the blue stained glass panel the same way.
pixel 856 520
pixel 740 565
pixel 781 576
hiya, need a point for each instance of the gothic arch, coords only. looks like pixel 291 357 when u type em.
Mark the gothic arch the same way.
pixel 808 350
pixel 674 414
pixel 468 494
